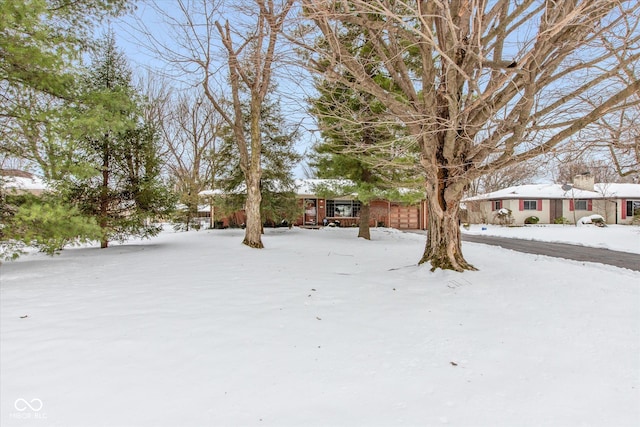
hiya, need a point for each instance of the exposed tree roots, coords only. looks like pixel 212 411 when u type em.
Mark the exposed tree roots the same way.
pixel 255 245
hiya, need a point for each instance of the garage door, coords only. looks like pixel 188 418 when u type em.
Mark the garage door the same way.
pixel 404 217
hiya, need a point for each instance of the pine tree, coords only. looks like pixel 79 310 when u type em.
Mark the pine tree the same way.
pixel 353 126
pixel 125 189
pixel 44 222
pixel 41 45
pixel 279 158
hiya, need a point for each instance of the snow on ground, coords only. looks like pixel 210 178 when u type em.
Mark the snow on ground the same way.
pixel 318 329
pixel 623 238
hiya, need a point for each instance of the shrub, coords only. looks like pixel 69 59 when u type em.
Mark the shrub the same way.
pixel 532 220
pixel 561 220
pixel 596 220
pixel 46 224
pixel 504 217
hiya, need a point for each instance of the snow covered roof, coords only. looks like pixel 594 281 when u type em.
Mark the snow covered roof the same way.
pixel 558 191
pixel 619 190
pixel 304 187
pixel 309 186
pixel 201 208
pixel 216 192
pixel 31 183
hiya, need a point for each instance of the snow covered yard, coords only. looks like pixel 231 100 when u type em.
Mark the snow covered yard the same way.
pixel 623 238
pixel 320 328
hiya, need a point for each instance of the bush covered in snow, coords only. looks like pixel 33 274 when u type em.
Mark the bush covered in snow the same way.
pixel 597 220
pixel 532 220
pixel 503 216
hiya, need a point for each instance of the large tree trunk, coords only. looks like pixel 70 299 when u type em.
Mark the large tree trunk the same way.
pixel 104 197
pixel 443 249
pixel 482 109
pixel 253 173
pixel 365 215
pixel 189 210
pixel 253 230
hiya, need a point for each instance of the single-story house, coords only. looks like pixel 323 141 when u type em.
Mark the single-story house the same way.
pixel 343 211
pixel 557 203
pixel 208 211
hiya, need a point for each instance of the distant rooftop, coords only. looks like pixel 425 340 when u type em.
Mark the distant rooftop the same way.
pixel 558 191
pixel 20 180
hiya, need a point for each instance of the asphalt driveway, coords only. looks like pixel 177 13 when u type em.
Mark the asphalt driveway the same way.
pixel 558 250
pixel 561 250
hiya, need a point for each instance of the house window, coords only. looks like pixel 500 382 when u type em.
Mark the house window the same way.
pixel 530 205
pixel 497 205
pixel 580 205
pixel 633 207
pixel 343 208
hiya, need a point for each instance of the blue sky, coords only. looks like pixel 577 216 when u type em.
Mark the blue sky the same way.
pixel 292 90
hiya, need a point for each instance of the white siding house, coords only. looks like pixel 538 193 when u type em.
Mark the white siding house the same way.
pixel 616 203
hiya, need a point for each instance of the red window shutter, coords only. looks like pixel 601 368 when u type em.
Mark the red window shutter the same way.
pixel 499 204
pixel 590 205
pixel 571 205
pixel 539 204
pixel 623 214
pixel 521 204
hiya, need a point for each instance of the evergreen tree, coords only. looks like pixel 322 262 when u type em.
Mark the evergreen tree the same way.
pixel 122 187
pixel 279 158
pixel 41 46
pixel 277 186
pixel 354 125
pixel 43 222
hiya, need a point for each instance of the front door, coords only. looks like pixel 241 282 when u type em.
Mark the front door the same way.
pixel 555 210
pixel 310 212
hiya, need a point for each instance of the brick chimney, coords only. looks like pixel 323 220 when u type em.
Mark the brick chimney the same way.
pixel 584 181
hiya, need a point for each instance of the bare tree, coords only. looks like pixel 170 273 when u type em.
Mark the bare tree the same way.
pixel 620 131
pixel 484 84
pixel 250 62
pixel 230 49
pixel 568 167
pixel 518 174
pixel 195 154
pixel 624 148
pixel 617 139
